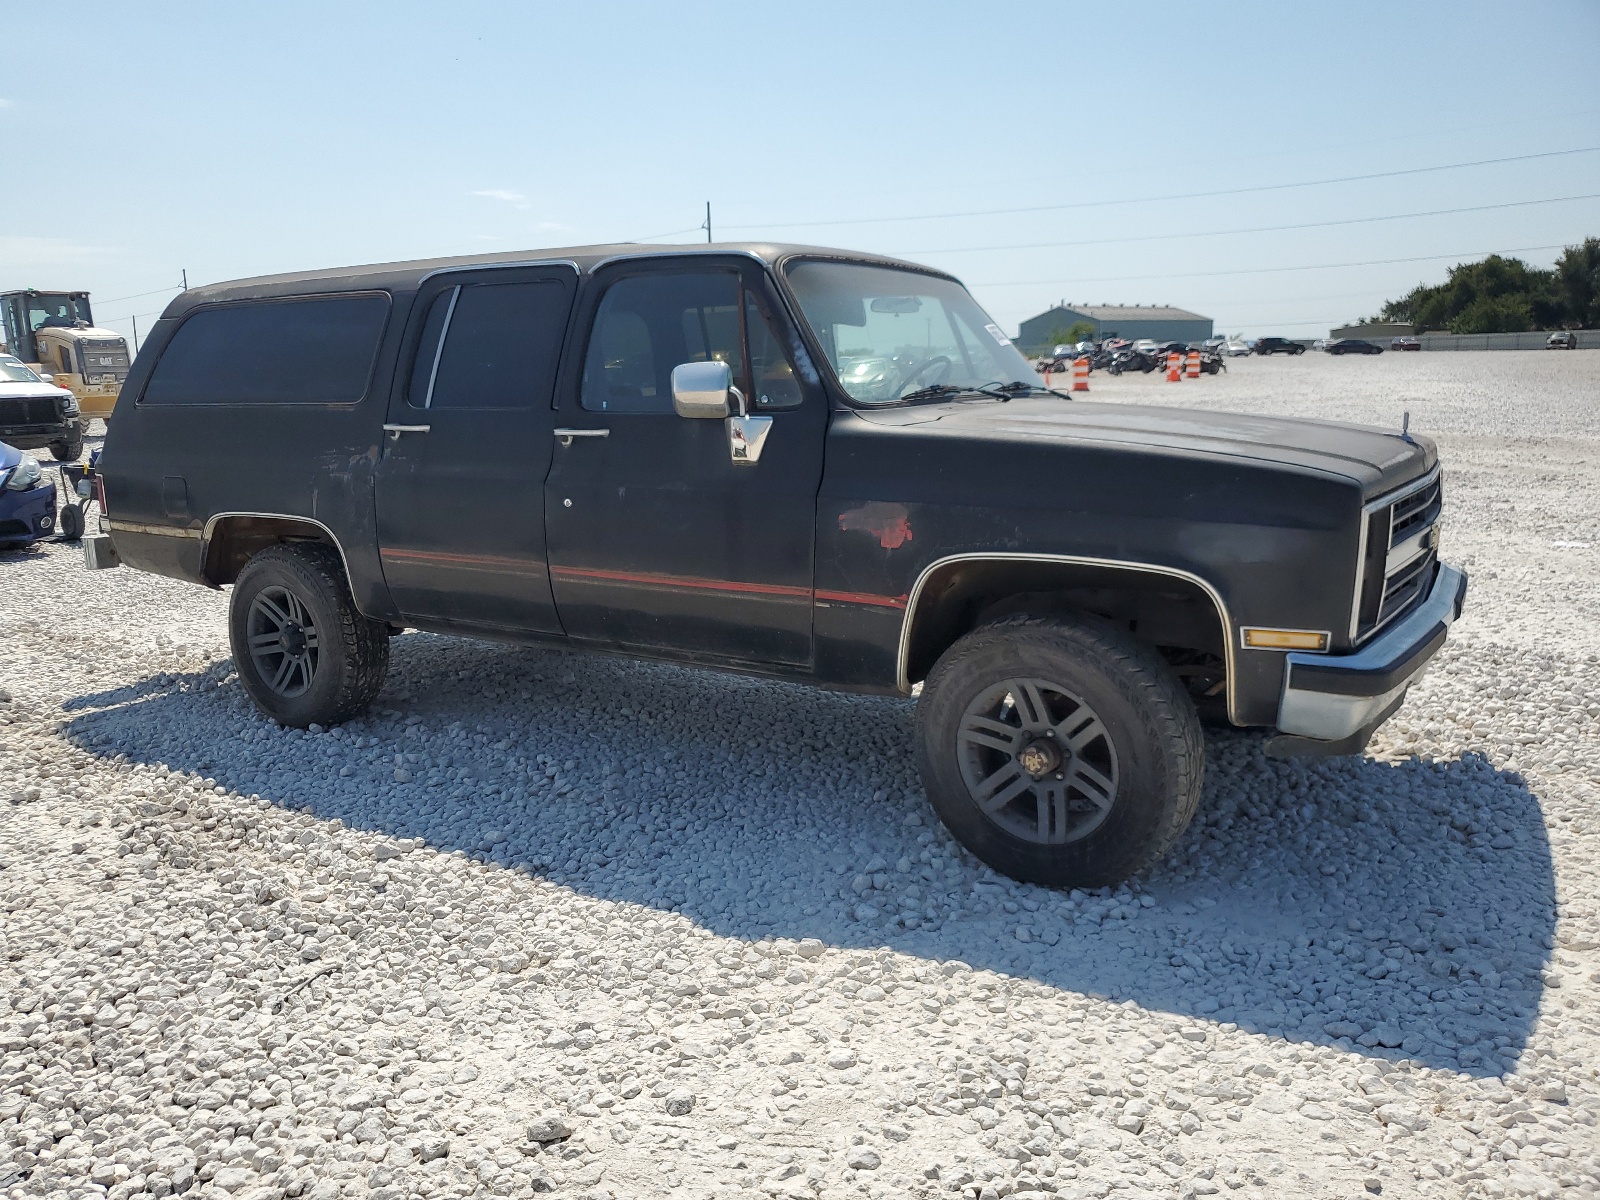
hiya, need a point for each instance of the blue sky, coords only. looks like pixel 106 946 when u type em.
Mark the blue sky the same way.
pixel 234 140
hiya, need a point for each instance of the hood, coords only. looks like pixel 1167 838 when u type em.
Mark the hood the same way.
pixel 79 334
pixel 24 390
pixel 10 456
pixel 1376 459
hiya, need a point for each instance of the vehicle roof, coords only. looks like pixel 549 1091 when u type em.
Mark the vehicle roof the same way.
pixel 406 276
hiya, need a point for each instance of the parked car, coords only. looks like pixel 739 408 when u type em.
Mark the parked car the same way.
pixel 1278 345
pixel 1405 343
pixel 1562 339
pixel 27 499
pixel 1352 346
pixel 1236 348
pixel 687 468
pixel 35 412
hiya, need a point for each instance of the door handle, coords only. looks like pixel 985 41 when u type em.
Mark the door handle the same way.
pixel 565 436
pixel 394 431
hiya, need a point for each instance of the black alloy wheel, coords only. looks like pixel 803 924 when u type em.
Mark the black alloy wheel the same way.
pixel 1037 761
pixel 283 641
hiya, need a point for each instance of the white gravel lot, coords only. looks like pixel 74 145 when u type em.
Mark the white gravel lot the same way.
pixel 528 927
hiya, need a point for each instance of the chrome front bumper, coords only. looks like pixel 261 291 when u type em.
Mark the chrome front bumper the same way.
pixel 1331 704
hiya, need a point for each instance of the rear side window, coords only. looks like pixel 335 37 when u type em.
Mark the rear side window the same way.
pixel 502 342
pixel 314 351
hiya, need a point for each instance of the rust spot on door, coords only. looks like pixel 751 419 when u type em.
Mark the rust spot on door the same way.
pixel 889 523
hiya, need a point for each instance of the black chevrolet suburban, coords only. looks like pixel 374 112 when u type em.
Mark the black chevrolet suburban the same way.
pixel 802 463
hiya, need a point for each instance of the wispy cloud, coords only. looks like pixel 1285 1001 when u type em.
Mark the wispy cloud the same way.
pixel 503 194
pixel 4 103
pixel 552 226
pixel 37 253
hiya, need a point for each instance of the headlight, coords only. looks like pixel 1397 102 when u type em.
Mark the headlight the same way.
pixel 69 406
pixel 23 476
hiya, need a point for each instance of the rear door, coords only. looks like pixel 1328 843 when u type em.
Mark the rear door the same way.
pixel 459 490
pixel 658 539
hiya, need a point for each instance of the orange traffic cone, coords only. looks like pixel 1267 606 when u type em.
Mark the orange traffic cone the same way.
pixel 1194 364
pixel 1080 374
pixel 1174 373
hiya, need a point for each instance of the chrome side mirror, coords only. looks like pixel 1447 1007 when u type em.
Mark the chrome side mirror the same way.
pixel 700 389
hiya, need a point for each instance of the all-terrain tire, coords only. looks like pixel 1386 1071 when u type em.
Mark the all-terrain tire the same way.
pixel 69 451
pixel 352 650
pixel 1144 714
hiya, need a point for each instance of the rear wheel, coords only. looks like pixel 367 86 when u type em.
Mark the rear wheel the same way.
pixel 303 651
pixel 1059 752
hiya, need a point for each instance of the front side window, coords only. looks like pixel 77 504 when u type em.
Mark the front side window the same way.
pixel 891 333
pixel 313 351
pixel 648 324
pixel 500 346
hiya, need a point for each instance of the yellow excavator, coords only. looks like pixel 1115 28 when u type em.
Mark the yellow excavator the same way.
pixel 55 334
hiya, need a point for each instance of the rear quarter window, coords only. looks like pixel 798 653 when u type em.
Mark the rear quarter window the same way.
pixel 318 350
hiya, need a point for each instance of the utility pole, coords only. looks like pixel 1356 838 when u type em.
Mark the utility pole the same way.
pixel 186 279
pixel 707 225
pixel 136 335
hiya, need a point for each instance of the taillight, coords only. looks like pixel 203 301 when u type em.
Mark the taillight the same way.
pixel 100 493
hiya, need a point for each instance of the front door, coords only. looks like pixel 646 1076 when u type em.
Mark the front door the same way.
pixel 459 486
pixel 658 538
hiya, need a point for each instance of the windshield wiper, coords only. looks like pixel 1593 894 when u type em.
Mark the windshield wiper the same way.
pixel 1019 388
pixel 995 391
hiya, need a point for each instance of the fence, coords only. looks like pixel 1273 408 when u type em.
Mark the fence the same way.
pixel 1588 339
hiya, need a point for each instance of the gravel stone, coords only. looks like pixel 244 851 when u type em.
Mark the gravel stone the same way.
pixel 543 899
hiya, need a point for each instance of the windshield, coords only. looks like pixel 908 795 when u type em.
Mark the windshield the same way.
pixel 889 333
pixel 56 310
pixel 12 371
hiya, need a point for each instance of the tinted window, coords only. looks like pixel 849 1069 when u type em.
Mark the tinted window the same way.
pixel 649 324
pixel 502 342
pixel 272 352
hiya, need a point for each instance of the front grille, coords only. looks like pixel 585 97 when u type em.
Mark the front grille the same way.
pixel 28 410
pixel 1399 555
pixel 107 358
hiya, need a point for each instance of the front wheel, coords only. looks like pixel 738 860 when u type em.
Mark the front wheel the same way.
pixel 1059 752
pixel 69 451
pixel 303 651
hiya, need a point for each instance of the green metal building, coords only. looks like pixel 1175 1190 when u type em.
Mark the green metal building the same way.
pixel 1158 322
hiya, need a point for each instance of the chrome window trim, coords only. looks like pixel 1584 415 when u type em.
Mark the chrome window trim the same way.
pixel 211 521
pixel 903 683
pixel 1372 506
pixel 438 351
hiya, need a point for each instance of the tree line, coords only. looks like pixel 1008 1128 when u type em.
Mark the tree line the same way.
pixel 1506 295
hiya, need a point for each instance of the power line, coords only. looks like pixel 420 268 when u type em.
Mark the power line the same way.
pixel 1167 237
pixel 650 237
pixel 171 287
pixel 1371 262
pixel 1078 204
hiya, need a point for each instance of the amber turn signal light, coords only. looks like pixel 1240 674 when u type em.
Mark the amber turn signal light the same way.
pixel 1315 640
